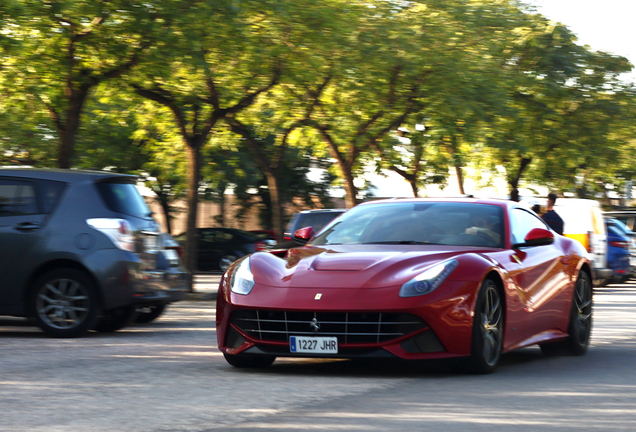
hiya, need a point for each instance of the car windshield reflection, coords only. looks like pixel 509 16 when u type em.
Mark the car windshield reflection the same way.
pixel 431 223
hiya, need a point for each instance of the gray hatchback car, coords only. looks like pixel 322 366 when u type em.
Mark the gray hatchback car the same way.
pixel 80 251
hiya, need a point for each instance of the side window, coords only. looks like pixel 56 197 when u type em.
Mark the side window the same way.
pixel 223 237
pixel 522 222
pixel 309 219
pixel 291 223
pixel 208 236
pixel 50 194
pixel 17 197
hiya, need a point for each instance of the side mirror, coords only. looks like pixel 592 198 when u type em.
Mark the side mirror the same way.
pixel 538 237
pixel 303 235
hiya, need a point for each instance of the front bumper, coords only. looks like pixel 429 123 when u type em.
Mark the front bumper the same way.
pixel 444 327
pixel 124 281
pixel 603 273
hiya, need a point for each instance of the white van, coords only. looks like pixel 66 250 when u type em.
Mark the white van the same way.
pixel 582 221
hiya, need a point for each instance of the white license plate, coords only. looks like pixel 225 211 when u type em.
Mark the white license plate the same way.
pixel 313 345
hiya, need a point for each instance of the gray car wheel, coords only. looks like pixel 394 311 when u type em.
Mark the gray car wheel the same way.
pixel 65 303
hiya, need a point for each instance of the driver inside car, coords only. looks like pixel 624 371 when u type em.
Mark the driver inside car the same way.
pixel 483 225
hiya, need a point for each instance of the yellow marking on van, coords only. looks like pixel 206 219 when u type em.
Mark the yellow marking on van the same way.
pixel 584 239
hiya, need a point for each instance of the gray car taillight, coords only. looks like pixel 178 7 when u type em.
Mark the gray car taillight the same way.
pixel 118 230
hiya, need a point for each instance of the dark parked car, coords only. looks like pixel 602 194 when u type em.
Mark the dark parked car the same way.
pixel 264 234
pixel 627 217
pixel 79 250
pixel 316 219
pixel 219 247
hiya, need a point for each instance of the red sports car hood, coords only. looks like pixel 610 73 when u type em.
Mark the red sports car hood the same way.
pixel 352 266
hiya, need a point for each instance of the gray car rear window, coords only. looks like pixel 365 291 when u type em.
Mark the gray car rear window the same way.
pixel 124 198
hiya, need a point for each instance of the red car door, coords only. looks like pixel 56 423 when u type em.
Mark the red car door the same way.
pixel 540 280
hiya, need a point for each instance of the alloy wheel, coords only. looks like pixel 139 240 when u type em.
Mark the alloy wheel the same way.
pixel 582 324
pixel 63 303
pixel 491 322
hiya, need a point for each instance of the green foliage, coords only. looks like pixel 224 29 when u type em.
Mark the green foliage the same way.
pixel 494 83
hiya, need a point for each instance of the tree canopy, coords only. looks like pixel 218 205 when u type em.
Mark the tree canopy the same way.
pixel 201 97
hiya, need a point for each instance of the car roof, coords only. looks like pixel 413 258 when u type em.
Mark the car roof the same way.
pixel 462 200
pixel 620 212
pixel 67 175
pixel 323 211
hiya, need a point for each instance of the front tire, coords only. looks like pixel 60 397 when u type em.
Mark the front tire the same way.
pixel 487 339
pixel 65 303
pixel 252 362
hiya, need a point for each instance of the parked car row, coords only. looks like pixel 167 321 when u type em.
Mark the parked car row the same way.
pixel 621 244
pixel 217 248
pixel 608 240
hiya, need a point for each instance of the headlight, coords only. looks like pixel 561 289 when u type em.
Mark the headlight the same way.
pixel 242 280
pixel 429 280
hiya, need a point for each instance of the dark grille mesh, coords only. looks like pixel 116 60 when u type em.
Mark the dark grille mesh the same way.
pixel 348 327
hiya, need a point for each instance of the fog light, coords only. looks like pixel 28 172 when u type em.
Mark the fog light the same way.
pixel 425 342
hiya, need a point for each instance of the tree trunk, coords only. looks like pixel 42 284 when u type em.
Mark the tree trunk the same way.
pixel 514 191
pixel 68 129
pixel 165 207
pixel 414 187
pixel 221 218
pixel 67 142
pixel 460 179
pixel 277 205
pixel 514 181
pixel 350 188
pixel 193 154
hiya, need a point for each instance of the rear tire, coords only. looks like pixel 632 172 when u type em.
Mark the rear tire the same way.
pixel 252 362
pixel 580 327
pixel 148 313
pixel 115 319
pixel 65 303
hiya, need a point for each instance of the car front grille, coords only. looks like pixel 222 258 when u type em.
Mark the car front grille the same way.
pixel 348 327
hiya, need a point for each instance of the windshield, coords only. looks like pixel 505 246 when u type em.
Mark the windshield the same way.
pixel 621 226
pixel 442 223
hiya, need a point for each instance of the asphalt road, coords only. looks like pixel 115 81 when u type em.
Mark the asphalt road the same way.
pixel 168 376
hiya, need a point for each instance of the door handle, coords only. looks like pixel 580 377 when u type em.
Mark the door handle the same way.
pixel 28 226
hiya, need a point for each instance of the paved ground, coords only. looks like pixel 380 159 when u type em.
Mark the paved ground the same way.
pixel 169 376
pixel 205 286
